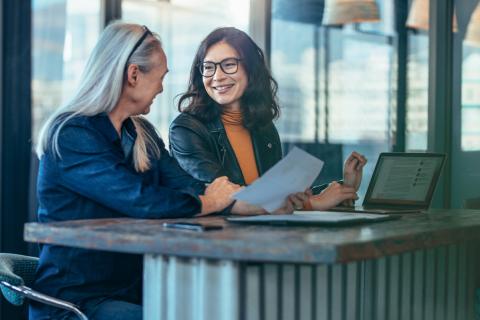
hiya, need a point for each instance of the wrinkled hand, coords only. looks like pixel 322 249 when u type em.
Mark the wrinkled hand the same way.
pixel 218 195
pixel 332 196
pixel 353 169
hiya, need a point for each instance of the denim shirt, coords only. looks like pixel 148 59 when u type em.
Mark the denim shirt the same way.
pixel 94 178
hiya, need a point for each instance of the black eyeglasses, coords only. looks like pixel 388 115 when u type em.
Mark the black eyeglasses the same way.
pixel 228 66
pixel 146 33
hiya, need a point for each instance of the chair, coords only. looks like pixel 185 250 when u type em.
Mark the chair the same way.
pixel 16 273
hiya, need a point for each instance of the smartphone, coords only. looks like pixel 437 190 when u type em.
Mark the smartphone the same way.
pixel 191 226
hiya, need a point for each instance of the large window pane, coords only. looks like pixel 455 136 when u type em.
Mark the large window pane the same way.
pixel 417 97
pixel 293 66
pixel 182 24
pixel 360 88
pixel 336 85
pixel 470 129
pixel 64 33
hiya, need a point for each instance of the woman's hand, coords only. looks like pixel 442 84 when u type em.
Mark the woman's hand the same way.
pixel 353 169
pixel 243 208
pixel 218 195
pixel 294 201
pixel 287 208
pixel 299 199
pixel 333 195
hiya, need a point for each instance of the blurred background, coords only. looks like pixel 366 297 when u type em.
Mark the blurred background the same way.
pixel 402 75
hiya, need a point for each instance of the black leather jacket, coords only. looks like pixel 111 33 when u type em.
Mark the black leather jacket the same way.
pixel 203 149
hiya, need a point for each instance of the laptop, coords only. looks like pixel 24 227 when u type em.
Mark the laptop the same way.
pixel 401 183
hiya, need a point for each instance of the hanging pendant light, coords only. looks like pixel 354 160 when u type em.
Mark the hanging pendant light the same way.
pixel 473 31
pixel 338 12
pixel 418 16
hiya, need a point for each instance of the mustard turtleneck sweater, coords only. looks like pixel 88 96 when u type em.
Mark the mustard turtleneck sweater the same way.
pixel 241 142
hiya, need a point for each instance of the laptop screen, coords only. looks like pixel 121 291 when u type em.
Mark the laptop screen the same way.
pixel 404 179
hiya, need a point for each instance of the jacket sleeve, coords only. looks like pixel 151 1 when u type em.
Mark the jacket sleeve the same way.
pixel 277 143
pixel 174 177
pixel 170 174
pixel 189 145
pixel 93 169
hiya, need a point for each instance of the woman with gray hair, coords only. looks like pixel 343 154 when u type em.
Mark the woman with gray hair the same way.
pixel 100 159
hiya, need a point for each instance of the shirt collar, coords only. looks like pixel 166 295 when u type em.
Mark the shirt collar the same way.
pixel 128 133
pixel 105 126
pixel 128 138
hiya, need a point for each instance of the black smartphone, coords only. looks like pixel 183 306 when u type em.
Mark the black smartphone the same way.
pixel 191 226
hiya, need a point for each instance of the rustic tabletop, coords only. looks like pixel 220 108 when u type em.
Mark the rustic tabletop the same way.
pixel 263 243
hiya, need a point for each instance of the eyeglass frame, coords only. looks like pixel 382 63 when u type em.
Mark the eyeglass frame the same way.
pixel 200 65
pixel 145 34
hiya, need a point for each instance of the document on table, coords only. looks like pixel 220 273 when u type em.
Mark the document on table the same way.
pixel 294 173
pixel 314 218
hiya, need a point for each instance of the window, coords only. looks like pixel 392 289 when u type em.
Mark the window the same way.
pixel 470 114
pixel 336 84
pixel 182 25
pixel 64 33
pixel 417 98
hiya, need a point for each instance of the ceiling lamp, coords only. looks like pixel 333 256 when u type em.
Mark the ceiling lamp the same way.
pixel 418 16
pixel 338 12
pixel 473 31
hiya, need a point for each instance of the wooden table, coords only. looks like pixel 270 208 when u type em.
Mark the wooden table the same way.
pixel 423 266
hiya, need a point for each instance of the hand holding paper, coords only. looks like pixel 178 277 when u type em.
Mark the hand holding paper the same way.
pixel 294 173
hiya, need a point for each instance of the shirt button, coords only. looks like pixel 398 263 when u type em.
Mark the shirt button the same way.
pixel 269 145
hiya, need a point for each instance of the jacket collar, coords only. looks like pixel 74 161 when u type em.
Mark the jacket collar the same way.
pixel 216 125
pixel 216 128
pixel 128 133
pixel 104 125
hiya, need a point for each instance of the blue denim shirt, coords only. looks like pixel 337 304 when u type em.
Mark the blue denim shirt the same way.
pixel 95 178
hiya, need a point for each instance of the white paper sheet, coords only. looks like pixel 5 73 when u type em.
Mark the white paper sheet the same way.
pixel 314 218
pixel 340 215
pixel 292 174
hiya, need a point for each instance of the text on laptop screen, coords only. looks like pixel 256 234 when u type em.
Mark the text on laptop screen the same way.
pixel 405 179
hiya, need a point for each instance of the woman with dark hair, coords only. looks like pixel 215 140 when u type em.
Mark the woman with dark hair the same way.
pixel 225 127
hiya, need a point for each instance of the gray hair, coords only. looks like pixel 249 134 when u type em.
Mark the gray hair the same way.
pixel 101 86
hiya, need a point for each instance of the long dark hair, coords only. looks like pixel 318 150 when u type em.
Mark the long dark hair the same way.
pixel 258 103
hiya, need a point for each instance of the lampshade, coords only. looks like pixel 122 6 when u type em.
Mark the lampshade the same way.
pixel 418 16
pixel 304 11
pixel 338 12
pixel 473 31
